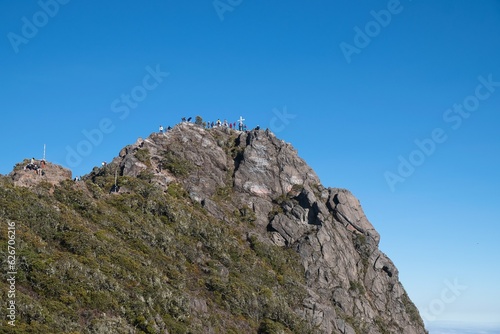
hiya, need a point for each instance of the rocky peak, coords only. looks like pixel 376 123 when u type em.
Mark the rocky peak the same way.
pixel 352 286
pixel 31 172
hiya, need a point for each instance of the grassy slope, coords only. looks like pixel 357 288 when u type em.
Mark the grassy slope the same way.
pixel 88 260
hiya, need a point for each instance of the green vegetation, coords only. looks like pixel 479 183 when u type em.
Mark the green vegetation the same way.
pixel 177 165
pixel 147 259
pixel 411 309
pixel 223 194
pixel 246 215
pixel 381 326
pixel 363 248
pixel 270 327
pixel 357 287
pixel 139 261
pixel 199 121
pixel 143 156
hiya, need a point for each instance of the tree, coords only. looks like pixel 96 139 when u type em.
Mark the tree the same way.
pixel 199 121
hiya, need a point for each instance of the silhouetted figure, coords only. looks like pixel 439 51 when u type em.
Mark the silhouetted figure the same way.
pixel 189 119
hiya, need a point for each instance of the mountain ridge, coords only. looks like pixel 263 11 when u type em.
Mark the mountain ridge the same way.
pixel 327 273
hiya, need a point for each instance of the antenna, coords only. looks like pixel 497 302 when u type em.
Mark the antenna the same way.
pixel 44 146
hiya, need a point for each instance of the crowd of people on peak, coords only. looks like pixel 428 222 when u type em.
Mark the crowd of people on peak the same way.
pixel 237 125
pixel 234 125
pixel 34 166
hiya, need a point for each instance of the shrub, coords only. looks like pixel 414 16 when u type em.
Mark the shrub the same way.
pixel 143 156
pixel 268 326
pixel 178 166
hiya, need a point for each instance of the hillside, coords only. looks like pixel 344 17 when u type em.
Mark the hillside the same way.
pixel 197 231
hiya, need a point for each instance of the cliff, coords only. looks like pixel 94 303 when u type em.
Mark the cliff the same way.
pixel 203 231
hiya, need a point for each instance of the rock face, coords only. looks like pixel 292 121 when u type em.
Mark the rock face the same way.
pixel 25 173
pixel 352 286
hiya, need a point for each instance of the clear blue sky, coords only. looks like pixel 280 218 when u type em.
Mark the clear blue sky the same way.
pixel 352 85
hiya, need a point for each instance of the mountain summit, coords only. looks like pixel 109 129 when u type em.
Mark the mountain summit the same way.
pixel 202 231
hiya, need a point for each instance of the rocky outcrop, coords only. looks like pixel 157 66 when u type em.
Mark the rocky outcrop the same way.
pixel 28 174
pixel 352 286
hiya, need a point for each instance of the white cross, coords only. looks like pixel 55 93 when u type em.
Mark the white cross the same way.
pixel 241 120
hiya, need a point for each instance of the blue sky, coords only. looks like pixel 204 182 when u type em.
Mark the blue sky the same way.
pixel 368 92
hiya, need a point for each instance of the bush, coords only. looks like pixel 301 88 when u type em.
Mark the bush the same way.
pixel 143 156
pixel 144 253
pixel 270 327
pixel 176 165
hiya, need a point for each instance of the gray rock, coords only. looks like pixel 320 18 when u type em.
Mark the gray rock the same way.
pixel 353 287
pixel 347 210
